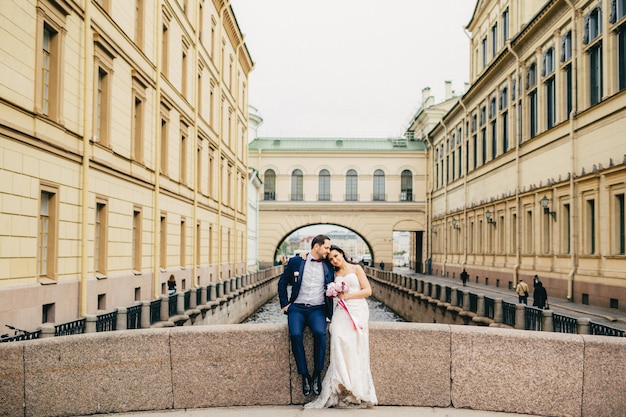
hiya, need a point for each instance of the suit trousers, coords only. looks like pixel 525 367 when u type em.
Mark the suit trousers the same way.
pixel 298 317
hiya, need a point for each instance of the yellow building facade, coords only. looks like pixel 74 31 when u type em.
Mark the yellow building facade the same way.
pixel 529 167
pixel 123 141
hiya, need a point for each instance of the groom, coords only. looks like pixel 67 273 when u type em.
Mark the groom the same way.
pixel 308 306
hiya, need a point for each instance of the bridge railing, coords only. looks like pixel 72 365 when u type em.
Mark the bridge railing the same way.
pixel 169 310
pixel 467 307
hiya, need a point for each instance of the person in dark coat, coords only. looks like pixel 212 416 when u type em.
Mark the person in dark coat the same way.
pixel 540 296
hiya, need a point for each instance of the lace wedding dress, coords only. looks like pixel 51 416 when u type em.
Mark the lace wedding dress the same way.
pixel 348 381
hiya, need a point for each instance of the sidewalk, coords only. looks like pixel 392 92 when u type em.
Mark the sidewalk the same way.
pixel 298 411
pixel 608 317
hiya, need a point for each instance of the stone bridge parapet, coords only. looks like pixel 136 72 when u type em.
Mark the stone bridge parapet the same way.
pixel 423 365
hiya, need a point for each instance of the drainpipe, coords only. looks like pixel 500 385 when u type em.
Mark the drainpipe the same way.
pixel 157 155
pixel 237 197
pixel 445 209
pixel 572 185
pixel 518 136
pixel 429 198
pixel 465 202
pixel 219 142
pixel 87 135
pixel 196 180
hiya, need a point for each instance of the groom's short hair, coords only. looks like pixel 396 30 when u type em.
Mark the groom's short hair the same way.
pixel 319 240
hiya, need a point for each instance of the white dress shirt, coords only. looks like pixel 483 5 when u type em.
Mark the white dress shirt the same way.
pixel 312 284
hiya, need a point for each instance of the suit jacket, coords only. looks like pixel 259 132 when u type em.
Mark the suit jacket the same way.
pixel 296 263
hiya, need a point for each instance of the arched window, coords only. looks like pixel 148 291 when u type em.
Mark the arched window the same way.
pixel 406 186
pixel 324 186
pixel 352 186
pixel 269 185
pixel 296 185
pixel 379 185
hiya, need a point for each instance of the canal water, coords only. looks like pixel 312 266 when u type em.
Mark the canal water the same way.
pixel 270 312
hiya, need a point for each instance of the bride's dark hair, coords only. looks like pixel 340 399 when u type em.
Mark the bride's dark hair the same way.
pixel 338 249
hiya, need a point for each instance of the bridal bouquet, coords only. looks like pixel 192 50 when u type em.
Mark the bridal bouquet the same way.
pixel 333 290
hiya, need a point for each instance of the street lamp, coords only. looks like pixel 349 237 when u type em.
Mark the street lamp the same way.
pixel 489 219
pixel 546 210
pixel 455 223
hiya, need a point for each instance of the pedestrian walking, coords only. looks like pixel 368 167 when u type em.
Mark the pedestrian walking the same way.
pixel 522 292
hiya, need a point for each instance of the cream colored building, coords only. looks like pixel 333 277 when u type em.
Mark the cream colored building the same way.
pixel 371 186
pixel 528 169
pixel 124 153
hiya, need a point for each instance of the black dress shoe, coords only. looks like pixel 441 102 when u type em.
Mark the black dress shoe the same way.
pixel 306 385
pixel 317 384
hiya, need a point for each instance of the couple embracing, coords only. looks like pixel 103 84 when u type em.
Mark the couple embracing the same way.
pixel 325 285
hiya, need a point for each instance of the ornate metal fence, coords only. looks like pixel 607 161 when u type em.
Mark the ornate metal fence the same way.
pixel 564 324
pixel 602 330
pixel 106 322
pixel 508 313
pixel 533 318
pixel 70 327
pixel 133 317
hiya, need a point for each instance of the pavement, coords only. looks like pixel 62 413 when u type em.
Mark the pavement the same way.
pixel 298 411
pixel 609 317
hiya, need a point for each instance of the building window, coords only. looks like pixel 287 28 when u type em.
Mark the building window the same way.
pixel 621 57
pixel 532 100
pixel 47 233
pixel 163 242
pixel 550 87
pixel 513 233
pixel 505 25
pixel 592 25
pixel 183 243
pixel 590 227
pixel 137 240
pixel 102 107
pixel 484 49
pixel 164 146
pixel 406 186
pixel 48 313
pixel 183 153
pixel 505 131
pixel 139 23
pixel 379 185
pixel 618 10
pixel 100 238
pixel 184 68
pixel 618 227
pixel 352 186
pixel 494 39
pixel 296 185
pixel 165 33
pixel 198 250
pixel 324 185
pixel 269 185
pixel 595 73
pixel 528 233
pixel 494 128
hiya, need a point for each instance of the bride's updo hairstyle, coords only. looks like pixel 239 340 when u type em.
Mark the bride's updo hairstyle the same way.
pixel 343 254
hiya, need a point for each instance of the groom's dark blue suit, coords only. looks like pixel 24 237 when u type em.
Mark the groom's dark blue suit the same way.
pixel 300 316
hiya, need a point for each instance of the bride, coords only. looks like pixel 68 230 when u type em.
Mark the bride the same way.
pixel 348 380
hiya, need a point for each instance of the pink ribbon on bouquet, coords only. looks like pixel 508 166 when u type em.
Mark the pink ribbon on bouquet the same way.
pixel 357 327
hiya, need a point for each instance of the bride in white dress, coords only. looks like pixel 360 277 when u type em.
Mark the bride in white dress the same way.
pixel 348 380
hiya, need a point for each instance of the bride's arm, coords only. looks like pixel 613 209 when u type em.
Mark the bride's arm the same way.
pixel 366 288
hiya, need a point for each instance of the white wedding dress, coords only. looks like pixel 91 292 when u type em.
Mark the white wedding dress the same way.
pixel 348 381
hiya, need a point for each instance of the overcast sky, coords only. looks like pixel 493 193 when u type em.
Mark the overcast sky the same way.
pixel 351 68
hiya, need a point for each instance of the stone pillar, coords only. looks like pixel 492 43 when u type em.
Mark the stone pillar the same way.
pixel 193 296
pixel 90 323
pixel 498 312
pixel 203 295
pixel 547 324
pixel 180 303
pixel 122 314
pixel 47 330
pixel 583 326
pixel 480 305
pixel 466 300
pixel 453 296
pixel 145 314
pixel 165 308
pixel 520 318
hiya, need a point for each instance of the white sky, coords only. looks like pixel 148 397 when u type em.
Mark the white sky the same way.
pixel 351 67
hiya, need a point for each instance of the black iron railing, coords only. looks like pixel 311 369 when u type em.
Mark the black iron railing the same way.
pixel 489 308
pixel 71 327
pixel 106 322
pixel 508 313
pixel 133 317
pixel 602 330
pixel 187 299
pixel 438 292
pixel 171 301
pixel 155 311
pixel 20 335
pixel 533 318
pixel 564 324
pixel 448 294
pixel 473 303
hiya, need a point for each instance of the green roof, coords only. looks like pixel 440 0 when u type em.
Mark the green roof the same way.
pixel 336 144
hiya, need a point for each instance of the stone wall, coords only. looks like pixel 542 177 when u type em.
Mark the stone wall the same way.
pixel 425 365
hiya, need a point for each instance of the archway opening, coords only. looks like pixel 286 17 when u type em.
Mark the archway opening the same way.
pixel 299 240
